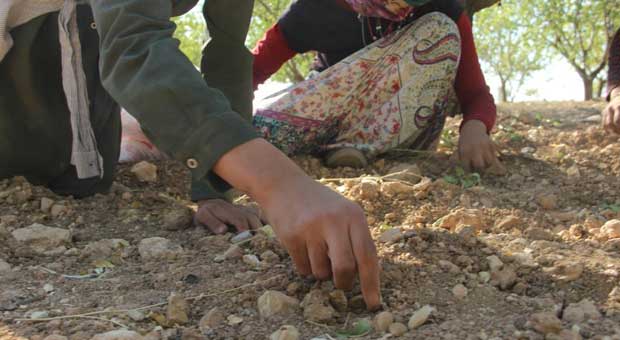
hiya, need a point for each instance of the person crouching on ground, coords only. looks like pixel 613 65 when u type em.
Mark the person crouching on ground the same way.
pixel 64 71
pixel 387 70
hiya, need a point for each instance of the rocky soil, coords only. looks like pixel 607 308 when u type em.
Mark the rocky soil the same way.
pixel 529 253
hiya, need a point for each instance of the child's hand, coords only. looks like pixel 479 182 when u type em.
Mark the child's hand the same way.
pixel 476 149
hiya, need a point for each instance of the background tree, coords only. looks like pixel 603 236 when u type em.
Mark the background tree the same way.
pixel 508 46
pixel 580 31
pixel 192 32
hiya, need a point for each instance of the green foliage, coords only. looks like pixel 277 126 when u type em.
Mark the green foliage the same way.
pixel 578 30
pixel 359 329
pixel 266 13
pixel 463 179
pixel 192 33
pixel 509 45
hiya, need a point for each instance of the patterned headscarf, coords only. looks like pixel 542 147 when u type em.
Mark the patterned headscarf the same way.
pixel 395 10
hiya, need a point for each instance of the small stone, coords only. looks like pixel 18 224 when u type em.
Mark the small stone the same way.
pixel 611 229
pixel 404 172
pixel 42 238
pixel 268 256
pixel 274 303
pixel 357 303
pixel 547 201
pixel 449 266
pixel 538 234
pixel 508 222
pixel 39 315
pixel 546 323
pixel 4 266
pixel 495 264
pixel 485 277
pixel 338 300
pixel 145 172
pixel 48 288
pixel 136 315
pixel 158 248
pixel 251 260
pixel 565 271
pixel 178 217
pixel 286 332
pixel 177 310
pixel 383 321
pixel 397 329
pixel 392 235
pixel 459 291
pixel 212 319
pixel 55 337
pixel 58 210
pixel 579 312
pixel 234 320
pixel 242 236
pixel 316 306
pixel 420 317
pixel 233 252
pixel 568 335
pixel 367 189
pixel 105 249
pixel 463 217
pixel 293 287
pixel 46 204
pixel 505 279
pixel 118 335
pixel 391 189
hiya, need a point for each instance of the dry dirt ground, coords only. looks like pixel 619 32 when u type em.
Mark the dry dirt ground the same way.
pixel 530 254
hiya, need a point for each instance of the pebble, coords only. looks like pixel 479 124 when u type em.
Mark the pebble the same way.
pixel 404 172
pixel 48 288
pixel 538 234
pixel 463 217
pixel 177 310
pixel 286 332
pixel 242 236
pixel 317 307
pixel 41 238
pixel 251 260
pixel 234 320
pixel 104 249
pixel 118 335
pixel 392 189
pixel 58 210
pixel 4 266
pixel 392 235
pixel 459 291
pixel 367 189
pixel 485 277
pixel 508 222
pixel 55 337
pixel 145 172
pixel 178 217
pixel 547 201
pixel 566 271
pixel 383 321
pixel 398 329
pixel 504 279
pixel 545 323
pixel 158 248
pixel 273 303
pixel 46 204
pixel 338 300
pixel 420 317
pixel 136 315
pixel 528 150
pixel 268 256
pixel 495 264
pixel 212 319
pixel 233 252
pixel 579 312
pixel 39 315
pixel 611 229
pixel 449 266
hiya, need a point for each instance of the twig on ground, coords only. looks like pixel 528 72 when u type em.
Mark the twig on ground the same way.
pixel 380 178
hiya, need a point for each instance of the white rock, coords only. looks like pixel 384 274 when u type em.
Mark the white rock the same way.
pixel 136 315
pixel 251 260
pixel 383 321
pixel 118 335
pixel 459 291
pixel 46 204
pixel 158 248
pixel 39 315
pixel 286 332
pixel 48 288
pixel 398 329
pixel 611 229
pixel 273 303
pixel 145 172
pixel 234 320
pixel 4 266
pixel 242 236
pixel 41 238
pixel 420 317
pixel 485 277
pixel 495 263
pixel 392 235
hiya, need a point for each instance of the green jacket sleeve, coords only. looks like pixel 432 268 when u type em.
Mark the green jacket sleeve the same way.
pixel 144 70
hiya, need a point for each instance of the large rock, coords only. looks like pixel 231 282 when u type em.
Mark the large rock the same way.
pixel 611 229
pixel 273 303
pixel 158 248
pixel 42 238
pixel 420 317
pixel 118 335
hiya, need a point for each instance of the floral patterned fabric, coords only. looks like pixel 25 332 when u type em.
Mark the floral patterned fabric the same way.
pixel 391 94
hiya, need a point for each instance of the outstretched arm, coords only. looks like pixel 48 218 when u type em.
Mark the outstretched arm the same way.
pixel 270 53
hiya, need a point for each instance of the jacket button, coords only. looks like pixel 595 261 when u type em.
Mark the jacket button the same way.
pixel 192 163
pixel 93 25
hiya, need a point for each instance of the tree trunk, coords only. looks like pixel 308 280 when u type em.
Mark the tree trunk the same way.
pixel 600 88
pixel 588 86
pixel 503 92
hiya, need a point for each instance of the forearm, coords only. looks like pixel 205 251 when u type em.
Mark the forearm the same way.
pixel 270 53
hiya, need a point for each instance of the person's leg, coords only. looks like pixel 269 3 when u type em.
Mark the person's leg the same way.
pixel 34 118
pixel 390 94
pixel 226 62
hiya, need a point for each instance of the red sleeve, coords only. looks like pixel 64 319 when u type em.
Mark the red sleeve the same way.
pixel 270 53
pixel 471 88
